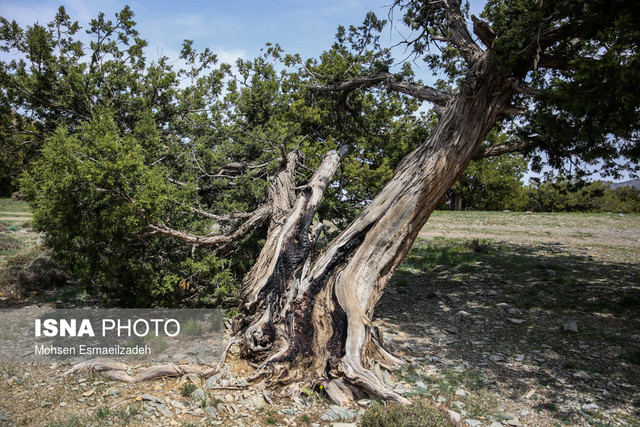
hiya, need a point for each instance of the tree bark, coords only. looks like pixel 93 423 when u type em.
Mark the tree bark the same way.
pixel 307 316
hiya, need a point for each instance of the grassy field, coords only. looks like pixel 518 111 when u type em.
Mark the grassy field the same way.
pixel 501 316
pixel 15 228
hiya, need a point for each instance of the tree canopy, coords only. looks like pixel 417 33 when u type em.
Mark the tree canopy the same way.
pixel 124 144
pixel 132 152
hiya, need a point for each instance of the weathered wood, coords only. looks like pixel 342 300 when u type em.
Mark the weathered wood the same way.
pixel 309 317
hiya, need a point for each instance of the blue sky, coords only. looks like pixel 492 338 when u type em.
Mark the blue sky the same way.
pixel 231 29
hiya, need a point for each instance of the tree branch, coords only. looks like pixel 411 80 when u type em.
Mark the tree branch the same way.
pixel 257 218
pixel 422 92
pixel 507 147
pixel 51 105
pixel 514 109
pixel 562 32
pixel 522 88
pixel 483 31
pixel 223 218
pixel 460 35
pixel 560 62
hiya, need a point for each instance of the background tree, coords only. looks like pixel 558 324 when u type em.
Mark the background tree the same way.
pixel 540 71
pixel 564 194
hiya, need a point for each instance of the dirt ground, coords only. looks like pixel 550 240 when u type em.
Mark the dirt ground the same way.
pixel 503 319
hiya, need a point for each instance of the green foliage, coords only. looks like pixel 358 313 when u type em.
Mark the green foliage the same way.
pixel 417 414
pixel 567 195
pixel 187 389
pixel 120 144
pixel 579 57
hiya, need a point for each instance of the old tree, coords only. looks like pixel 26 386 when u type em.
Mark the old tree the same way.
pixel 134 156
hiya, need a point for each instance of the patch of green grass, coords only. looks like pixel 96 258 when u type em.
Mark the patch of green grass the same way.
pixel 630 355
pixel 8 244
pixel 187 389
pixel 304 418
pixel 441 252
pixel 192 327
pixel 451 380
pixel 8 206
pixel 417 414
pixel 73 421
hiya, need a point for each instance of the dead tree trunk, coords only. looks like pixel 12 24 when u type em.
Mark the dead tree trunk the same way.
pixel 307 316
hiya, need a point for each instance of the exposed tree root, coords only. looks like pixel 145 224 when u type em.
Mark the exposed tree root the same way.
pixel 117 371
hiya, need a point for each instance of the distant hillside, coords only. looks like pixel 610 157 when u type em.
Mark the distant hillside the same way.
pixel 635 183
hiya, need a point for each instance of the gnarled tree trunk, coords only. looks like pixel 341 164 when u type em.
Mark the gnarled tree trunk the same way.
pixel 307 316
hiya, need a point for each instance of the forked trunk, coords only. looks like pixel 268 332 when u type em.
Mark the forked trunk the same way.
pixel 306 315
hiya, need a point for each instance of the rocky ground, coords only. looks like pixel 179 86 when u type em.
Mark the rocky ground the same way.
pixel 503 318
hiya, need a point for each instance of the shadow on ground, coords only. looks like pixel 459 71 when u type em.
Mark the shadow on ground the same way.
pixel 552 332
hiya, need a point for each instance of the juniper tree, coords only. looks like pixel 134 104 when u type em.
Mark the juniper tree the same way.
pixel 559 78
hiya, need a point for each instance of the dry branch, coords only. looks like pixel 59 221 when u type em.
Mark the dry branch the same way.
pixel 422 92
pixel 507 147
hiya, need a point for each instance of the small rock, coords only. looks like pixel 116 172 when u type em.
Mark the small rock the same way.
pixel 179 356
pixel 199 395
pixel 211 411
pixel 111 391
pixel 151 398
pixel 509 416
pixel 63 404
pixel 513 422
pixel 45 404
pixel 365 402
pixel 441 399
pixel 344 425
pixel 400 389
pixel 451 329
pixel 420 385
pixel 473 422
pixel 164 410
pixel 89 392
pixel 461 392
pixel 455 416
pixel 590 407
pixel 571 326
pixel 582 374
pixel 496 358
pixel 335 413
pixel 516 321
pixel 257 401
pixel 495 424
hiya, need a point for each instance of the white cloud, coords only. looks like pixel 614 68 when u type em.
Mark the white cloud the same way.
pixel 230 56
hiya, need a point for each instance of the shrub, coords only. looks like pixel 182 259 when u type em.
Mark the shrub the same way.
pixel 32 270
pixel 8 243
